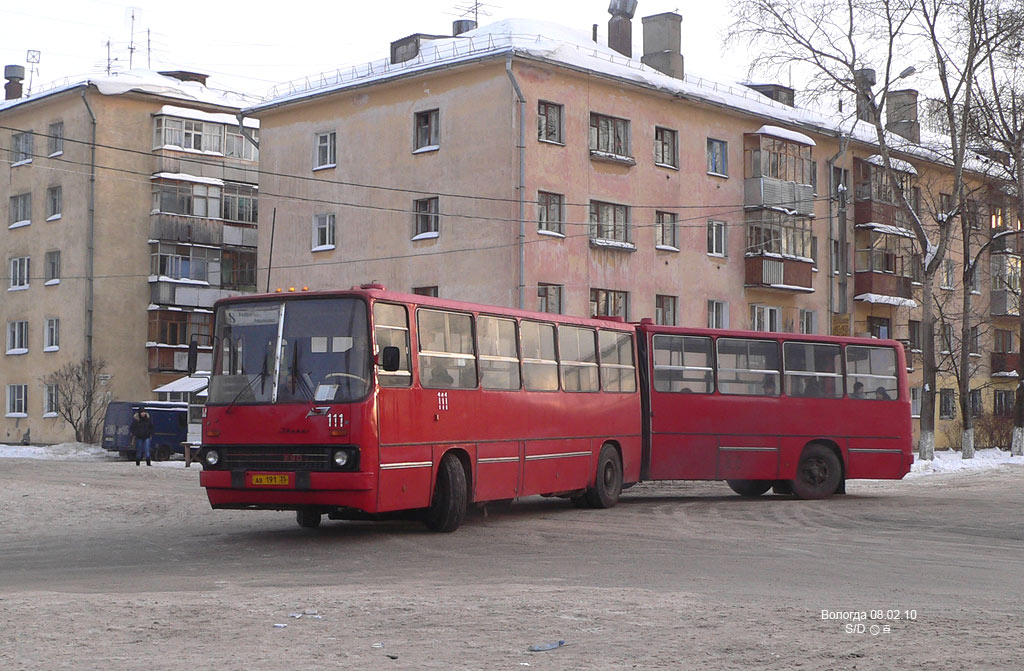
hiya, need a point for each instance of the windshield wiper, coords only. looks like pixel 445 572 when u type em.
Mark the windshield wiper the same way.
pixel 294 373
pixel 247 387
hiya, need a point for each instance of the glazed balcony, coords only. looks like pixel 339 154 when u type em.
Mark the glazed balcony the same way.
pixel 1005 362
pixel 883 284
pixel 773 272
pixel 1007 244
pixel 765 183
pixel 1004 303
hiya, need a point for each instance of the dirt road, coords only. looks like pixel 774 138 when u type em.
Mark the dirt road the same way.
pixel 105 565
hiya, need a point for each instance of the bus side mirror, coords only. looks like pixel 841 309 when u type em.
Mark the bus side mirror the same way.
pixel 193 354
pixel 390 358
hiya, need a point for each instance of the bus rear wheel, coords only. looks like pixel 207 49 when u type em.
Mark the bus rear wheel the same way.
pixel 750 488
pixel 308 518
pixel 448 509
pixel 818 474
pixel 608 483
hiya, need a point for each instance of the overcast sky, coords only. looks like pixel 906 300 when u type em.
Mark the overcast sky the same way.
pixel 249 47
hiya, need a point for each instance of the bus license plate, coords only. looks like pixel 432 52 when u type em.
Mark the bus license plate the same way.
pixel 270 480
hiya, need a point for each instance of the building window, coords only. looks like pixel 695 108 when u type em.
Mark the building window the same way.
pixel 718 157
pixel 947 404
pixel 17 337
pixel 609 135
pixel 1003 341
pixel 808 322
pixel 21 210
pixel 1003 402
pixel 185 262
pixel 549 212
pixel 976 404
pixel 666 147
pixel 948 272
pixel 239 203
pixel 915 401
pixel 914 334
pixel 765 317
pixel 549 298
pixel 427 218
pixel 428 129
pixel 19 272
pixel 716 238
pixel 323 232
pixel 55 140
pixel 879 327
pixel 50 400
pixel 665 310
pixel 608 303
pixel 947 338
pixel 326 150
pixel 17 400
pixel 188 134
pixel 974 334
pixel 665 230
pixel 783 160
pixel 237 145
pixel 188 198
pixel 21 144
pixel 238 270
pixel 425 291
pixel 1005 273
pixel 51 338
pixel 54 202
pixel 549 122
pixel 778 233
pixel 177 328
pixel 52 266
pixel 718 314
pixel 609 221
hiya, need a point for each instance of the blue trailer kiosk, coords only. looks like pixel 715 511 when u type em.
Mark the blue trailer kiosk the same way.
pixel 170 427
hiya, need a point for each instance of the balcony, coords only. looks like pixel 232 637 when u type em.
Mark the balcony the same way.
pixel 1007 244
pixel 181 228
pixel 873 211
pixel 770 272
pixel 1005 362
pixel 1004 303
pixel 883 284
pixel 767 192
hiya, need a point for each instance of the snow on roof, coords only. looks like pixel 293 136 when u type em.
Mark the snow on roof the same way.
pixel 784 134
pixel 184 177
pixel 888 229
pixel 897 164
pixel 886 300
pixel 199 115
pixel 183 384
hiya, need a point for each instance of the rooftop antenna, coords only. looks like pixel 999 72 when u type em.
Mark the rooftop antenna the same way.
pixel 131 43
pixel 473 8
pixel 32 58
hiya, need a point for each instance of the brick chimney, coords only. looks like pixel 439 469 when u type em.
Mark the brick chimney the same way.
pixel 662 40
pixel 863 80
pixel 13 74
pixel 620 26
pixel 901 114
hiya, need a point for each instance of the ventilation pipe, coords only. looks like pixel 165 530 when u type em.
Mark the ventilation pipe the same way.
pixel 901 114
pixel 863 80
pixel 662 40
pixel 13 74
pixel 620 26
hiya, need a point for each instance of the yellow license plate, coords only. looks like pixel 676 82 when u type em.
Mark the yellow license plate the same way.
pixel 270 480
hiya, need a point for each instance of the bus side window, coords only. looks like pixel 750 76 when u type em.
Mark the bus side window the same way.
pixel 540 367
pixel 749 367
pixel 683 364
pixel 391 329
pixel 447 359
pixel 813 370
pixel 871 373
pixel 577 356
pixel 499 356
pixel 617 370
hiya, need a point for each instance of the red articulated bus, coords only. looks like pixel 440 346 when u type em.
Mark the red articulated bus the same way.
pixel 364 403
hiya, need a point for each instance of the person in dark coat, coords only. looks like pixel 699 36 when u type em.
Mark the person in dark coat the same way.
pixel 142 430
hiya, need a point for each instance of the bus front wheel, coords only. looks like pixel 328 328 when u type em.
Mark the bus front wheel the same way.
pixel 818 474
pixel 750 488
pixel 448 509
pixel 608 483
pixel 308 518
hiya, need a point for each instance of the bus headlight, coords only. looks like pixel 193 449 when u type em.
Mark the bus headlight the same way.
pixel 341 457
pixel 212 457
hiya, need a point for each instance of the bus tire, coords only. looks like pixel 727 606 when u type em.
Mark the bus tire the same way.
pixel 308 518
pixel 750 488
pixel 448 509
pixel 818 473
pixel 608 481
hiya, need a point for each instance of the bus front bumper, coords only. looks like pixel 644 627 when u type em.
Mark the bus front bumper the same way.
pixel 289 489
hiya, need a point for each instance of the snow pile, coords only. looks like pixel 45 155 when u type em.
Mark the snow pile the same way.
pixel 949 461
pixel 61 452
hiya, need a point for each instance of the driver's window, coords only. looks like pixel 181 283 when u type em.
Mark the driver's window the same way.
pixel 391 329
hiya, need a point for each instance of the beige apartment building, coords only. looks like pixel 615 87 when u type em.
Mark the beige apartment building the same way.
pixel 132 207
pixel 524 164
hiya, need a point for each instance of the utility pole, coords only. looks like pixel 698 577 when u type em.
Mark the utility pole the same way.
pixel 131 42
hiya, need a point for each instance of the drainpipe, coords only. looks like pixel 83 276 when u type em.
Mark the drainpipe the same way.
pixel 89 258
pixel 522 183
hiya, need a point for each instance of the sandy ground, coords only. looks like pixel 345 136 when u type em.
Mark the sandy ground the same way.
pixel 104 565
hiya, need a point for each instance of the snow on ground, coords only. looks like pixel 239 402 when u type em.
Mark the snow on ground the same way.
pixel 948 461
pixel 73 452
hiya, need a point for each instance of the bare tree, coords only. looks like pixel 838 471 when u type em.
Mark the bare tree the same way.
pixel 81 397
pixel 842 45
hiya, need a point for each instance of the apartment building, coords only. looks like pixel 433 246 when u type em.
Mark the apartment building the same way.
pixel 132 207
pixel 524 164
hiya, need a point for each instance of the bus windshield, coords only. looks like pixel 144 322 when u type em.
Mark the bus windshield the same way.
pixel 291 351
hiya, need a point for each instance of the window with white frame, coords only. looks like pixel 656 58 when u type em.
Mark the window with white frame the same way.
pixel 549 122
pixel 17 337
pixel 50 400
pixel 325 152
pixel 948 272
pixel 323 232
pixel 609 221
pixel 17 400
pixel 665 230
pixel 666 147
pixel 51 337
pixel 19 272
pixel 609 303
pixel 718 157
pixel 778 233
pixel 609 135
pixel 665 310
pixel 427 217
pixel 1005 273
pixel 239 203
pixel 765 317
pixel 716 238
pixel 550 207
pixel 427 129
pixel 21 147
pixel 915 401
pixel 55 138
pixel 947 338
pixel 549 298
pixel 808 322
pixel 52 264
pixel 188 198
pixel 188 134
pixel 1003 401
pixel 185 262
pixel 54 202
pixel 975 403
pixel 20 210
pixel 718 314
pixel 237 145
pixel 947 404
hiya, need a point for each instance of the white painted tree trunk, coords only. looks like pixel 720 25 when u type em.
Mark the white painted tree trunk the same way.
pixel 967 444
pixel 1017 446
pixel 926 446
